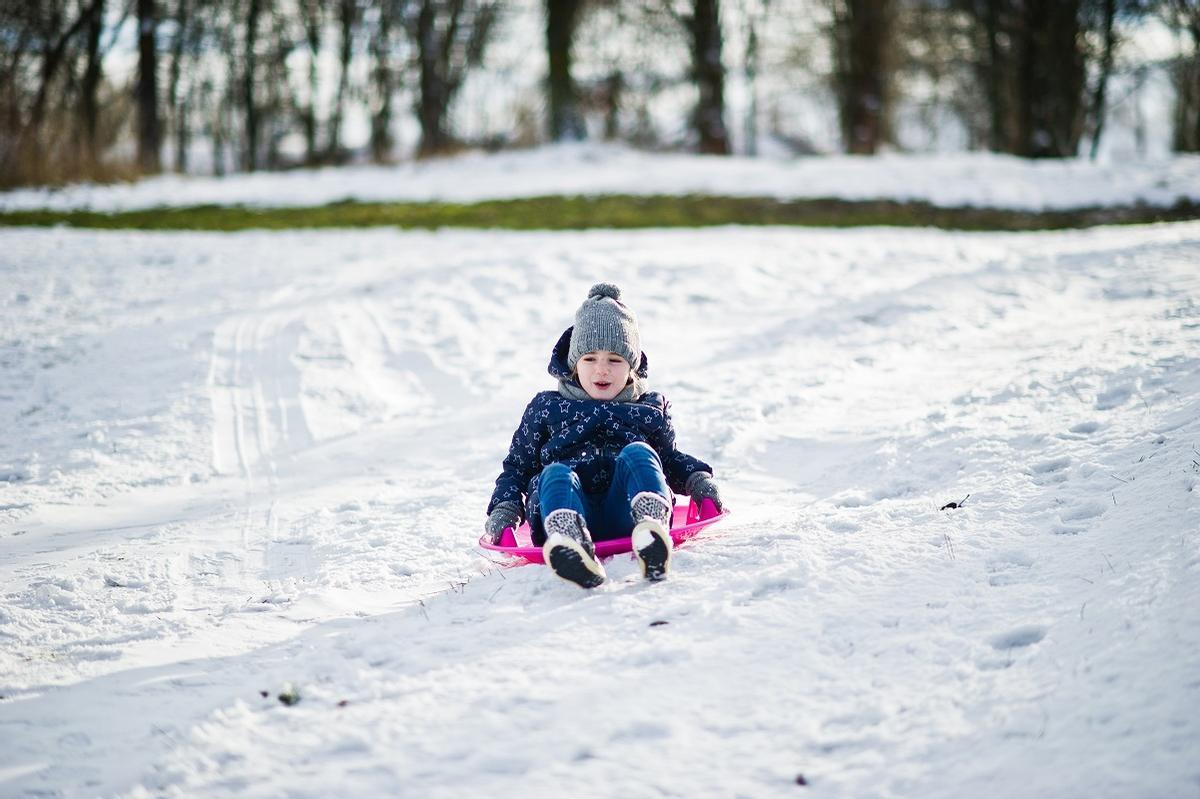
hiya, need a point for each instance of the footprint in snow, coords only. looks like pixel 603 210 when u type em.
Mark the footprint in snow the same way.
pixel 1113 398
pixel 1004 643
pixel 1009 568
pixel 1083 512
pixel 1018 637
pixel 1050 471
pixel 1052 465
pixel 1085 428
pixel 642 730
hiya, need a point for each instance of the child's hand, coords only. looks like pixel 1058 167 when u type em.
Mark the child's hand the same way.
pixel 700 486
pixel 503 516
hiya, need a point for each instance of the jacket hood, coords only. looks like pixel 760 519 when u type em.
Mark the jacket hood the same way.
pixel 558 359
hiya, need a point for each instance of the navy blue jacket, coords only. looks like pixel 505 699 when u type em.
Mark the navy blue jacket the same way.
pixel 587 435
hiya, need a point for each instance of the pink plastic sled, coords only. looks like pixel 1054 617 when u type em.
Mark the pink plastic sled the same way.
pixel 687 521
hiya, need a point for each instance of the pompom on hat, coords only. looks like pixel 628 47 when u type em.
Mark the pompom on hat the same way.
pixel 604 323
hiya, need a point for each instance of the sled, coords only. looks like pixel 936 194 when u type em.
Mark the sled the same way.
pixel 687 521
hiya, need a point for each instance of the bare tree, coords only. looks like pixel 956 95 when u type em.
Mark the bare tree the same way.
pixel 249 102
pixel 1184 17
pixel 383 79
pixel 450 38
pixel 755 18
pixel 186 43
pixel 26 159
pixel 1032 69
pixel 863 46
pixel 708 71
pixel 565 120
pixel 149 124
pixel 348 19
pixel 1100 91
pixel 312 17
pixel 89 105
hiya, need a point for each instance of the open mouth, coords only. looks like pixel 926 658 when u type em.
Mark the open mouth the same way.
pixel 603 386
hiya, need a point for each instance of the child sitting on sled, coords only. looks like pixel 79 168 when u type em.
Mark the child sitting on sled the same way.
pixel 596 459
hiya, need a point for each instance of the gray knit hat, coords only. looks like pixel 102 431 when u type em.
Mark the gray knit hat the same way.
pixel 604 323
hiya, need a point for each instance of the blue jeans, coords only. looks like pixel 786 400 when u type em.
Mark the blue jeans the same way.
pixel 608 515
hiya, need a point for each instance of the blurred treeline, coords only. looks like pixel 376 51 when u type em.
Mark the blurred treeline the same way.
pixel 108 89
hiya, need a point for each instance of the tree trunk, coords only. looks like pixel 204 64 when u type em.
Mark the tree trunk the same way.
pixel 432 102
pixel 175 107
pixel 12 94
pixel 347 14
pixel 614 87
pixel 1099 97
pixel 1186 129
pixel 149 127
pixel 1186 133
pixel 1053 74
pixel 313 15
pixel 381 116
pixel 219 134
pixel 183 137
pixel 997 106
pixel 862 39
pixel 708 120
pixel 562 17
pixel 89 104
pixel 249 105
pixel 752 88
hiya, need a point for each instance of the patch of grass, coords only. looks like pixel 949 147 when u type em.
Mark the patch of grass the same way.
pixel 613 211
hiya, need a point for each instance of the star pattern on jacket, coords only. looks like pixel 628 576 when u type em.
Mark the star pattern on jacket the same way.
pixel 587 435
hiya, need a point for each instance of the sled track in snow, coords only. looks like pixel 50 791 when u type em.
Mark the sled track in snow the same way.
pixel 254 389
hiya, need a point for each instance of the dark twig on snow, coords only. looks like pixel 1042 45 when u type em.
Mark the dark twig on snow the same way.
pixel 1113 476
pixel 953 505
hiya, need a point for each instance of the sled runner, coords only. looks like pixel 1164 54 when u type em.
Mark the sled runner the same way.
pixel 687 521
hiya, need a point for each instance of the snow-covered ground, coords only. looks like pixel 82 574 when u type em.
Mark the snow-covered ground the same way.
pixel 964 179
pixel 233 462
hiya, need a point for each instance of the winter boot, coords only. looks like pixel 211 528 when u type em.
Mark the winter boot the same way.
pixel 651 534
pixel 568 549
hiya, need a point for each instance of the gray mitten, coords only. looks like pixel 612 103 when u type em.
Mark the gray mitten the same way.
pixel 503 516
pixel 700 486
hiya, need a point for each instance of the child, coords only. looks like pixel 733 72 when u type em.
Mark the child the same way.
pixel 597 457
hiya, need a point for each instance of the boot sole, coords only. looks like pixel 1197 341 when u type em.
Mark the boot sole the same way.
pixel 570 561
pixel 652 545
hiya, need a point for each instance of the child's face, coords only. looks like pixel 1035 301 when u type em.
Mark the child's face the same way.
pixel 602 374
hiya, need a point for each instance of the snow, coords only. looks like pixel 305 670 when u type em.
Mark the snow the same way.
pixel 964 179
pixel 236 462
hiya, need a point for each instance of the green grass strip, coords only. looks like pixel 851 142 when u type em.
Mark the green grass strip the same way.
pixel 616 211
